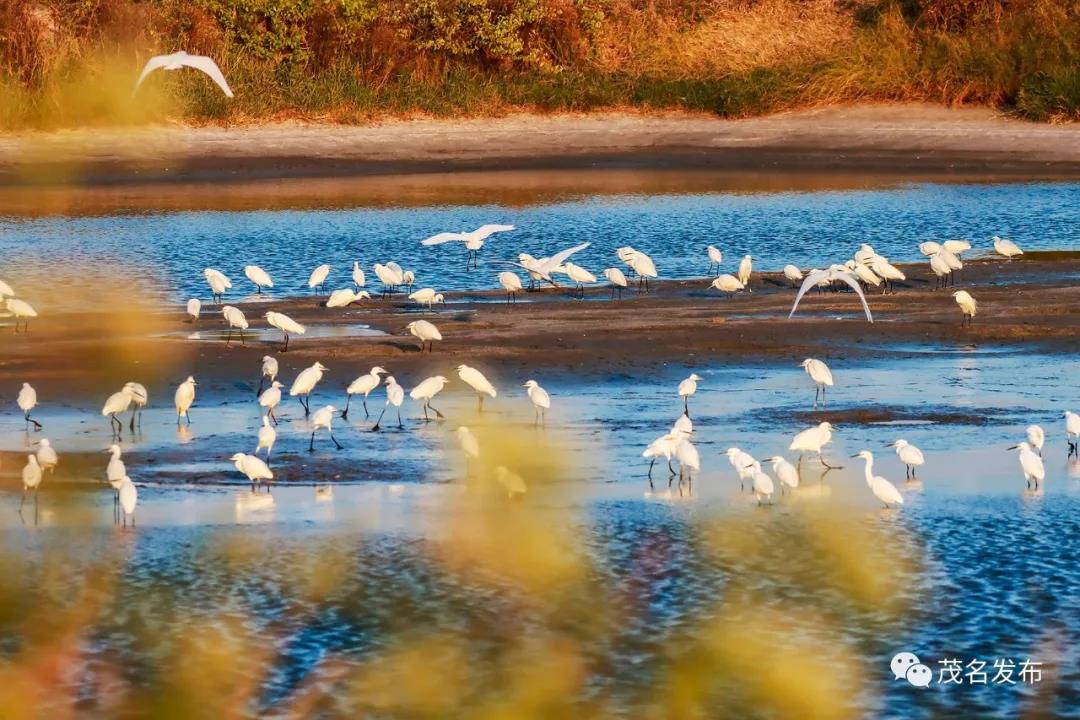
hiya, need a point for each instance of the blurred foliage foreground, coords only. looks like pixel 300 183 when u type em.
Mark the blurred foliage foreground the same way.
pixel 509 607
pixel 65 63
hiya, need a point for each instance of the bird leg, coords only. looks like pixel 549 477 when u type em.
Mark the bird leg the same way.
pixel 242 341
pixel 311 445
pixel 29 420
pixel 650 471
pixel 228 338
pixel 270 412
pixel 23 500
pixel 258 392
pixel 131 425
pixel 401 425
pixel 336 443
pixel 426 418
pixel 375 427
pixel 481 399
pixel 306 406
pixel 345 412
pixel 189 417
pixel 831 467
pixel 435 410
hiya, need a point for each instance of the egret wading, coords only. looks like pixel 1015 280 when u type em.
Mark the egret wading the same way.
pixel 140 398
pixel 883 490
pixel 539 398
pixel 323 418
pixel 687 388
pixel 21 310
pixel 470 446
pixel 267 438
pixel 362 385
pixel 27 401
pixel 476 380
pixel 358 275
pixel 1031 464
pixel 254 469
pixel 715 258
pixel 426 391
pixel 1072 432
pixel 1036 437
pixel 785 472
pixel 318 277
pixel 270 370
pixel 910 455
pixel 236 320
pixel 128 497
pixel 118 403
pixel 746 266
pixel 812 440
pixel 304 383
pixel 218 283
pixel 46 455
pixel 31 478
pixel 395 395
pixel 184 398
pixel 115 473
pixel 821 376
pixel 286 325
pixel 270 399
pixel 259 277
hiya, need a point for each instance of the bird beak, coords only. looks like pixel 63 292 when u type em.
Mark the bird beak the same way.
pixel 855 455
pixel 747 467
pixel 1014 447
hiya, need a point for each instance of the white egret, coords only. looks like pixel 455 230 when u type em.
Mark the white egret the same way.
pixel 476 380
pixel 940 267
pixel 271 398
pixel 21 310
pixel 1072 432
pixel 617 279
pixel 821 376
pixel 813 440
pixel 426 296
pixel 743 464
pixel 362 385
pixel 540 399
pixel 256 471
pixel 883 490
pixel 259 277
pixel 886 271
pixel 786 473
pixel 968 306
pixel 793 274
pixel 746 266
pixel 218 282
pixel 1007 248
pixel 115 472
pixel 286 325
pixel 910 455
pixel 46 455
pixel 389 277
pixel 267 438
pixel 118 403
pixel 715 258
pixel 27 400
pixel 358 275
pixel 235 319
pixel 511 283
pixel 305 382
pixel 956 247
pixel 194 307
pixel 579 275
pixel 762 485
pixel 346 297
pixel 542 269
pixel 140 398
pixel 5 290
pixel 835 272
pixel 31 477
pixel 663 446
pixel 863 272
pixel 181 59
pixel 323 418
pixel 408 278
pixel 318 277
pixel 687 388
pixel 183 399
pixel 1031 464
pixel 644 266
pixel 929 248
pixel 513 483
pixel 686 454
pixel 395 395
pixel 469 445
pixel 425 332
pixel 128 497
pixel 1036 437
pixel 865 253
pixel 683 424
pixel 473 240
pixel 426 391
pixel 727 284
pixel 269 371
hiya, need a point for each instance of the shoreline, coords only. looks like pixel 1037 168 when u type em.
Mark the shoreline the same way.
pixel 903 140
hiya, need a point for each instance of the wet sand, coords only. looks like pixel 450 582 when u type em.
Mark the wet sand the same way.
pixel 886 140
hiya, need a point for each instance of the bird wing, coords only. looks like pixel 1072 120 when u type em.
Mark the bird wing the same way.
pixel 443 238
pixel 560 257
pixel 535 270
pixel 485 231
pixel 208 66
pixel 812 279
pixel 155 63
pixel 854 284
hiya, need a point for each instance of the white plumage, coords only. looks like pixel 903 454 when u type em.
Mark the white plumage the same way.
pixel 181 59
pixel 184 398
pixel 267 438
pixel 427 390
pixel 968 305
pixel 476 380
pixel 257 275
pixel 425 332
pixel 1036 437
pixel 1006 248
pixel 1031 464
pixel 318 276
pixel 910 455
pixel 834 273
pixel 728 284
pixel 883 490
pixel 254 469
pixel 46 455
pixel 539 397
pixel 286 325
pixel 194 307
pixel 363 385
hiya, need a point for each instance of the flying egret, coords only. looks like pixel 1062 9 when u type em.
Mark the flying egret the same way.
pixel 617 279
pixel 115 472
pixel 305 382
pixel 323 418
pixel 22 310
pixel 1072 432
pixel 929 248
pixel 425 332
pixel 395 395
pixel 346 297
pixel 118 403
pixel 259 277
pixel 5 290
pixel 542 269
pixel 1035 437
pixel 267 438
pixel 1007 248
pixel 426 391
pixel 358 275
pixel 476 380
pixel 194 307
pixel 473 240
pixel 183 399
pixel 1031 464
pixel 389 277
pixel 27 401
pixel 511 481
pixel 746 266
pixel 31 477
pixel 785 472
pixel 968 306
pixel 235 319
pixel 128 497
pixel 813 440
pixel 269 372
pixel 426 296
pixel 218 282
pixel 793 274
pixel 883 490
pixel 579 275
pixel 271 398
pixel 686 389
pixel 318 277
pixel 469 445
pixel 835 272
pixel 362 385
pixel 820 374
pixel 910 455
pixel 511 283
pixel 181 59
pixel 540 399
pixel 46 455
pixel 256 471
pixel 743 464
pixel 762 485
pixel 727 284
pixel 715 258
pixel 286 325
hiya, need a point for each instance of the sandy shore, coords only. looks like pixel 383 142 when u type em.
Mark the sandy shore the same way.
pixel 884 139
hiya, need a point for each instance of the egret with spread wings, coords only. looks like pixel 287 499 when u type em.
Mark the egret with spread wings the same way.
pixel 181 59
pixel 542 269
pixel 834 273
pixel 473 240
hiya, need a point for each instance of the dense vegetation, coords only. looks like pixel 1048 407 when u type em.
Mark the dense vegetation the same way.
pixel 70 62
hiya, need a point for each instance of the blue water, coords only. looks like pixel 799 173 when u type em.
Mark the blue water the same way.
pixel 168 251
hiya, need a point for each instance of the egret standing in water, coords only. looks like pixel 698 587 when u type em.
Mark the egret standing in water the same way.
pixel 813 440
pixel 617 279
pixel 184 398
pixel 256 471
pixel 476 380
pixel 715 258
pixel 425 332
pixel 426 391
pixel 128 497
pixel 763 485
pixel 286 325
pixel 22 311
pixel 270 399
pixel 968 306
pixel 218 283
pixel 46 455
pixel 473 240
pixel 362 385
pixel 140 398
pixel 235 319
pixel 511 283
pixel 323 418
pixel 395 395
pixel 785 472
pixel 267 438
pixel 318 277
pixel 115 474
pixel 269 371
pixel 1072 432
pixel 1031 464
pixel 743 464
pixel 1036 438
pixel 883 490
pixel 469 445
pixel 910 455
pixel 687 388
pixel 259 277
pixel 31 477
pixel 305 382
pixel 27 401
pixel 116 404
pixel 820 374
pixel 540 399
